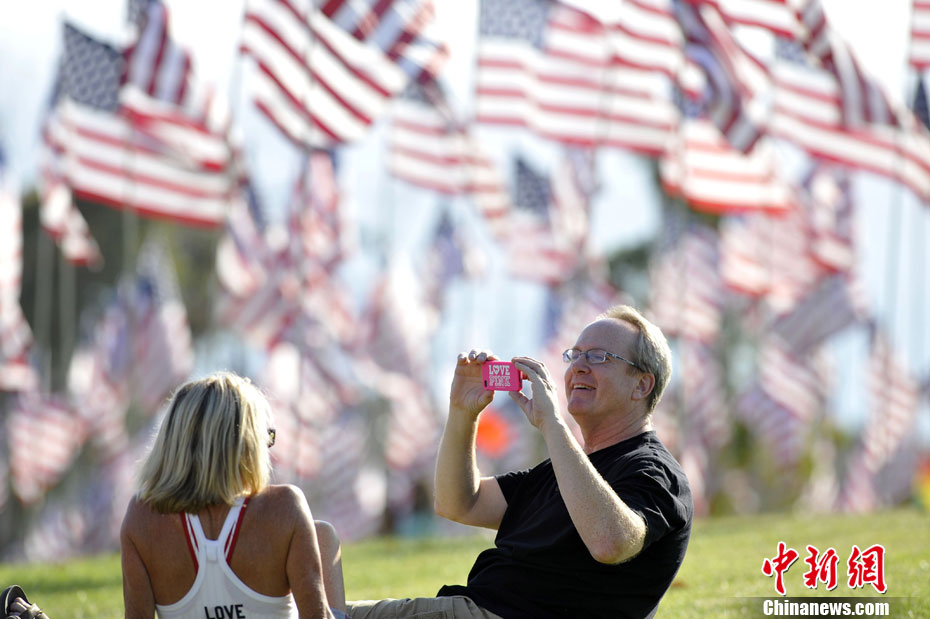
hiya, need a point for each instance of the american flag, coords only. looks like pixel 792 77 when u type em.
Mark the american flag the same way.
pixel 395 323
pixel 317 212
pixel 163 354
pixel 776 16
pixel 894 397
pixel 703 394
pixel 736 82
pixel 830 204
pixel 350 492
pixel 104 159
pixel 37 419
pixel 162 97
pixel 686 292
pixel 429 148
pixel 705 170
pixel 567 76
pixel 326 74
pixel 15 334
pixel 449 256
pixel 808 111
pixel 863 100
pixel 784 401
pixel 319 242
pixel 547 232
pixel 395 365
pixel 744 264
pixel 834 304
pixel 99 378
pixel 65 224
pixel 258 297
pixel 771 256
pixel 919 53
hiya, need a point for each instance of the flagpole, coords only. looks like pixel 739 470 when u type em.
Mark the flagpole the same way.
pixel 45 276
pixel 66 307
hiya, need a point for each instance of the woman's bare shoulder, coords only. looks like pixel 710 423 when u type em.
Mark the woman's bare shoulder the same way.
pixel 142 521
pixel 281 499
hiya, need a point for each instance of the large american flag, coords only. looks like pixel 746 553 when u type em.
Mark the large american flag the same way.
pixel 164 99
pixel 326 74
pixel 104 158
pixel 735 81
pixel 864 101
pixel 706 171
pixel 777 16
pixel 15 334
pixel 564 74
pixel 808 111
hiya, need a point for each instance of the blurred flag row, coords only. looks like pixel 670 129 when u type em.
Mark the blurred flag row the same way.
pixel 772 255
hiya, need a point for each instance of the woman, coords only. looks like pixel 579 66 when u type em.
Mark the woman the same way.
pixel 206 535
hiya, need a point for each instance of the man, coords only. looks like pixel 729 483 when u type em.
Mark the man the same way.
pixel 598 530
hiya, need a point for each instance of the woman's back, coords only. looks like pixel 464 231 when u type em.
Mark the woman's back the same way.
pixel 274 525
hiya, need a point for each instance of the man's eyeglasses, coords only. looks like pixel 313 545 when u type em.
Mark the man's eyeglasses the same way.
pixel 595 356
pixel 271 435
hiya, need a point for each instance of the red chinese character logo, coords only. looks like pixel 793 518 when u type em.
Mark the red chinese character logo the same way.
pixel 822 568
pixel 867 567
pixel 779 564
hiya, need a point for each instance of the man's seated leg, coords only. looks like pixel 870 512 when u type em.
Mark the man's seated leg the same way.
pixel 455 607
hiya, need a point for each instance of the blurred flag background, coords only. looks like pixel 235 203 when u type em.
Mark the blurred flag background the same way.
pixel 335 198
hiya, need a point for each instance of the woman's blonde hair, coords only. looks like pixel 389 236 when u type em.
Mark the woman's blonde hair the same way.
pixel 211 448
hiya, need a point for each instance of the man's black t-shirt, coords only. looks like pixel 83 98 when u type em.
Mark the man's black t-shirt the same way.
pixel 540 568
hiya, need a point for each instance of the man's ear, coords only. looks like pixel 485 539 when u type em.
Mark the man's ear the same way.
pixel 644 387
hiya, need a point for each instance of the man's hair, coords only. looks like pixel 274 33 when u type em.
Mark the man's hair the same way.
pixel 652 353
pixel 211 448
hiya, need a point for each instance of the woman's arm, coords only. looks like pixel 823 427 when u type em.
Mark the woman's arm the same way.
pixel 304 566
pixel 138 597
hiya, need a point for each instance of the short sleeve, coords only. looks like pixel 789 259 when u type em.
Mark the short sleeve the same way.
pixel 509 482
pixel 655 495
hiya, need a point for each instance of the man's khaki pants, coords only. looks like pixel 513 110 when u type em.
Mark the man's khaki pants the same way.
pixel 455 607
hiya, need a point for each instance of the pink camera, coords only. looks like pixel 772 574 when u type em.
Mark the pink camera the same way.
pixel 501 376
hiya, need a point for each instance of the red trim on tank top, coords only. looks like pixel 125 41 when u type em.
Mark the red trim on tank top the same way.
pixel 231 542
pixel 190 539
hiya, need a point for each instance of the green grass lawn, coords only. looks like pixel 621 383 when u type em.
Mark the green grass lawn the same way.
pixel 721 576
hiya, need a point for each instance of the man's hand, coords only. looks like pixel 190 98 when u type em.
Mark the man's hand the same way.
pixel 468 395
pixel 544 403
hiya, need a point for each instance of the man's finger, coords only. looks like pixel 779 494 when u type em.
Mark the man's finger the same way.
pixel 521 400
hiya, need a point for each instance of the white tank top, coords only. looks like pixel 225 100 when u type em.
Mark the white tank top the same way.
pixel 217 593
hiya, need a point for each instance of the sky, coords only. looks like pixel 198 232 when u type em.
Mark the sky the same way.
pixel 890 225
